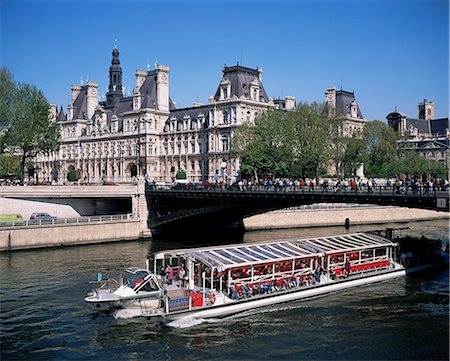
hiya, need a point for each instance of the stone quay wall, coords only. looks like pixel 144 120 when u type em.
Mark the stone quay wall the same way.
pixel 336 217
pixel 16 238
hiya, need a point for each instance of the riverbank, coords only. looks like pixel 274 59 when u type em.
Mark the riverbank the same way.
pixel 337 217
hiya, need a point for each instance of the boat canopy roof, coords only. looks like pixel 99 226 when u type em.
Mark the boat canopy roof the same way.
pixel 240 255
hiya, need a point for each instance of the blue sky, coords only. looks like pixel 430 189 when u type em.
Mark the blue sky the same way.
pixel 390 52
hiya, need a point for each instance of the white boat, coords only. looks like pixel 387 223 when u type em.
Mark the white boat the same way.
pixel 229 279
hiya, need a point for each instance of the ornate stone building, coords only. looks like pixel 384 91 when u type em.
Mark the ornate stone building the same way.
pixel 146 135
pixel 426 135
pixel 342 105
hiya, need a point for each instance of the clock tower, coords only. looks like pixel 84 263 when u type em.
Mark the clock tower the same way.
pixel 114 94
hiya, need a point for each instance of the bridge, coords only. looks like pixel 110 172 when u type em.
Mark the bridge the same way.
pixel 212 211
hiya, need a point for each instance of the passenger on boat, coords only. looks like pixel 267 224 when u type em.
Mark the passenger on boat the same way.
pixel 318 273
pixel 347 268
pixel 182 276
pixel 169 274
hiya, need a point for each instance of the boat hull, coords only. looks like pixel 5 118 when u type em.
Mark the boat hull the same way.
pixel 252 303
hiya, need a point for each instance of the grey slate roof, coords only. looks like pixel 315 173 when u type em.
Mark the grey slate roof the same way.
pixel 343 103
pixel 439 126
pixel 193 112
pixel 240 78
pixel 422 125
pixel 434 127
pixel 79 105
pixel 61 117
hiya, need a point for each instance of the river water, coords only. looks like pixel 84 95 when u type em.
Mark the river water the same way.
pixel 43 316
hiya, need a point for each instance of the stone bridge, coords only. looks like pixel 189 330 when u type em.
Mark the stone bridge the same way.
pixel 199 212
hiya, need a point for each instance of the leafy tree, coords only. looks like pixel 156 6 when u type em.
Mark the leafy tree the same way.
pixel 412 164
pixel 8 90
pixel 381 146
pixel 312 132
pixel 265 148
pixel 32 130
pixel 9 165
pixel 355 153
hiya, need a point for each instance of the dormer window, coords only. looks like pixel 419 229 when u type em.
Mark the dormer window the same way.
pixel 225 89
pixel 254 90
pixel 354 110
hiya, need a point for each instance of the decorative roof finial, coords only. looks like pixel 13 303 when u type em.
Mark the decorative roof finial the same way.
pixel 115 43
pixel 395 109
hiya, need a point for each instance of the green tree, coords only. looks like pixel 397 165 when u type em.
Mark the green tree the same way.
pixel 312 148
pixel 8 91
pixel 32 130
pixel 355 153
pixel 9 165
pixel 381 146
pixel 265 148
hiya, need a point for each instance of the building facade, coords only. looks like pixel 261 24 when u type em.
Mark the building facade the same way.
pixel 425 135
pixel 123 137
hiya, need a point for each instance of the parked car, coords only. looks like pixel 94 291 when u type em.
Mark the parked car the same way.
pixel 42 216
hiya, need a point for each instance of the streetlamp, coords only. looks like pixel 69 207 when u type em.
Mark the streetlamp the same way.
pixel 223 166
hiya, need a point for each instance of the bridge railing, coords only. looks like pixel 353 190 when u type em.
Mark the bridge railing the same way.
pixel 64 221
pixel 421 190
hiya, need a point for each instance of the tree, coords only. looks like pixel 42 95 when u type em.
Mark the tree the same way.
pixel 381 146
pixel 355 154
pixel 9 165
pixel 312 132
pixel 32 129
pixel 265 148
pixel 8 90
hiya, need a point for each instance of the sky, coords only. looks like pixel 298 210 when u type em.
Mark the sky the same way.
pixel 391 53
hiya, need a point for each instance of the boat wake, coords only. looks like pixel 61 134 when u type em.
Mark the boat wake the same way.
pixel 187 322
pixel 127 313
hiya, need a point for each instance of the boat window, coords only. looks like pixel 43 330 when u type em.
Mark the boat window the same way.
pixel 274 251
pixel 253 254
pixel 380 252
pixel 297 249
pixel 229 255
pixel 136 279
pixel 203 257
pixel 245 256
pixel 260 250
pixel 284 250
pixel 149 286
pixel 216 256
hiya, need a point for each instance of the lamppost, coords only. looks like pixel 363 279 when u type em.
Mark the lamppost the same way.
pixel 223 166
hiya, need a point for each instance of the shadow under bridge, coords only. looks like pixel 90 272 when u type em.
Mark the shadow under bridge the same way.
pixel 212 212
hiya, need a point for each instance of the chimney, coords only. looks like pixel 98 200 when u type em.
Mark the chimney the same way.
pixel 91 98
pixel 290 102
pixel 75 91
pixel 141 75
pixel 162 87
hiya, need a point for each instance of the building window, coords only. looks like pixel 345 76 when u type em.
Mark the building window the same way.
pixel 225 117
pixel 225 144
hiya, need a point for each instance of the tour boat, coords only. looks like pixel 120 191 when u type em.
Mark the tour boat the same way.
pixel 223 280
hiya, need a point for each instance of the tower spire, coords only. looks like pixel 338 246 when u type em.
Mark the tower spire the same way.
pixel 114 94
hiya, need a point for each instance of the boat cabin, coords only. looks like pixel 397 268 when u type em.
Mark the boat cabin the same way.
pixel 217 275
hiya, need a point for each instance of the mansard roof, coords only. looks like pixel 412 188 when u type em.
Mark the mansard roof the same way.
pixel 193 112
pixel 439 126
pixel 344 101
pixel 432 126
pixel 240 78
pixel 61 117
pixel 79 105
